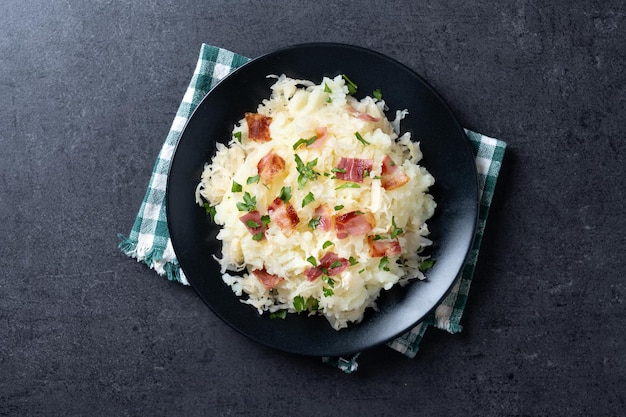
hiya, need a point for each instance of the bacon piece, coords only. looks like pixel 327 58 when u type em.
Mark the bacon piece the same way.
pixel 363 116
pixel 392 176
pixel 325 215
pixel 354 169
pixel 380 248
pixel 284 215
pixel 321 135
pixel 258 127
pixel 354 223
pixel 252 218
pixel 330 264
pixel 268 280
pixel 312 274
pixel 269 166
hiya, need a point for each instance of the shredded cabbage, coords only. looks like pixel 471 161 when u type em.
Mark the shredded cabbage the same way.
pixel 297 108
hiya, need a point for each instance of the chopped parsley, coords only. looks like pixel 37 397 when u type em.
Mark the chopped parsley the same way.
pixel 309 198
pixel 352 87
pixel 328 280
pixel 248 204
pixel 314 222
pixel 306 171
pixel 352 261
pixel 306 142
pixel 285 194
pixel 236 187
pixel 426 264
pixel 253 180
pixel 327 89
pixel 300 304
pixel 328 291
pixel 312 260
pixel 335 264
pixel 210 210
pixel 339 207
pixel 237 135
pixel 252 224
pixel 348 185
pixel 378 95
pixel 360 138
pixel 395 231
pixel 327 244
pixel 383 265
pixel 280 314
pixel 258 236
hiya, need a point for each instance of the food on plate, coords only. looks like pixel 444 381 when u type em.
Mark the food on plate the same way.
pixel 321 201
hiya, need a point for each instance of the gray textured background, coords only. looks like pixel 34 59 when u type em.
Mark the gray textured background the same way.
pixel 89 90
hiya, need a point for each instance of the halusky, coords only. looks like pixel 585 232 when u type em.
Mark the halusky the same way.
pixel 322 204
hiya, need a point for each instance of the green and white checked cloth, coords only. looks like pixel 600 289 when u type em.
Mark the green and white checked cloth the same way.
pixel 149 240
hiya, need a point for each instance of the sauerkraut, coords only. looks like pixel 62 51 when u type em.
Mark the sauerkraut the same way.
pixel 325 211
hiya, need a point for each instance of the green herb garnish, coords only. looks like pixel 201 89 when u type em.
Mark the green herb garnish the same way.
pixel 378 95
pixel 299 304
pixel 383 264
pixel 237 135
pixel 253 180
pixel 395 231
pixel 327 244
pixel 335 264
pixel 252 224
pixel 352 87
pixel 236 187
pixel 360 138
pixel 306 171
pixel 285 194
pixel 328 280
pixel 426 264
pixel 280 314
pixel 249 203
pixel 307 142
pixel 314 222
pixel 210 210
pixel 348 185
pixel 309 198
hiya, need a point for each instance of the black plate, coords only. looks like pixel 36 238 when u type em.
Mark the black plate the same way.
pixel 447 155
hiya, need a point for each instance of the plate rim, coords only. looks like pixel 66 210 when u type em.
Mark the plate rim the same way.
pixel 360 49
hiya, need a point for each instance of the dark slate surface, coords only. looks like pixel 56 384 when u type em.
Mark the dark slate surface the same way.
pixel 89 89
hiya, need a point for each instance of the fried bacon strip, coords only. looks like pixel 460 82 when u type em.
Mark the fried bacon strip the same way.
pixel 268 280
pixel 284 215
pixel 380 248
pixel 269 166
pixel 258 127
pixel 354 223
pixel 392 176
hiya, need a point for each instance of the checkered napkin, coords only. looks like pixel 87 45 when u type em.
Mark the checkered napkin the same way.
pixel 149 240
